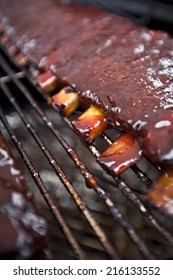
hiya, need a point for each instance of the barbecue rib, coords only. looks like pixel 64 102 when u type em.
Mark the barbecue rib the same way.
pixel 124 69
pixel 22 230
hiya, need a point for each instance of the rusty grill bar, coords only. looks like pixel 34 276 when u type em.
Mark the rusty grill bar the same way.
pixel 18 77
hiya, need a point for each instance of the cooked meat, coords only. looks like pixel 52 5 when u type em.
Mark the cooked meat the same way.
pixel 9 168
pixel 22 229
pixel 161 196
pixel 124 69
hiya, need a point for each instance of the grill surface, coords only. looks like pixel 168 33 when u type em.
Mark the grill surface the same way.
pixel 97 216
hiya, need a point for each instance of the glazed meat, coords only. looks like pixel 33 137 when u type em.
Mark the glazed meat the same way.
pixel 22 229
pixel 124 69
pixel 161 196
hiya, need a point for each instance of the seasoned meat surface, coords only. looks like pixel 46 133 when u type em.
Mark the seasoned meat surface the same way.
pixel 124 69
pixel 22 229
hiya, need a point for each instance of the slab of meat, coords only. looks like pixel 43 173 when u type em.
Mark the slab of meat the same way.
pixel 124 69
pixel 22 229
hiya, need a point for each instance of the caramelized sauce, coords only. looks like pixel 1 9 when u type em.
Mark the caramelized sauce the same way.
pixel 91 123
pixel 67 100
pixel 161 196
pixel 157 141
pixel 47 82
pixel 123 153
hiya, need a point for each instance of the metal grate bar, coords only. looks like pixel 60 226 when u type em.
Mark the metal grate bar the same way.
pixel 8 79
pixel 54 208
pixel 90 180
pixel 78 200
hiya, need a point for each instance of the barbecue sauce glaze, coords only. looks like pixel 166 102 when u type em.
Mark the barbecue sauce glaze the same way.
pixel 161 196
pixel 124 69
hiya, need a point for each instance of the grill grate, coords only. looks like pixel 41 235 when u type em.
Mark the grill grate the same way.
pixel 19 78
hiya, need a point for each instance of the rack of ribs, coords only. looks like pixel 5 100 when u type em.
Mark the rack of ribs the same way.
pixel 124 69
